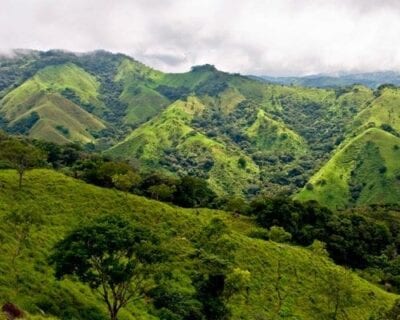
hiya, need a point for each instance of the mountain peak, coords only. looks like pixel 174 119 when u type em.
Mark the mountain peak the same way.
pixel 204 67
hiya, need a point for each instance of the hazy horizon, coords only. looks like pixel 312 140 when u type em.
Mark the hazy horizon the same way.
pixel 272 37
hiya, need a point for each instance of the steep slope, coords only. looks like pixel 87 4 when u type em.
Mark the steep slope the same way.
pixel 169 141
pixel 62 203
pixel 281 135
pixel 285 132
pixel 270 135
pixel 142 101
pixel 384 110
pixel 365 170
pixel 40 109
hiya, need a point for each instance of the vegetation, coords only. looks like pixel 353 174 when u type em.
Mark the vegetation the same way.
pixel 20 156
pixel 189 236
pixel 269 138
pixel 309 179
pixel 111 256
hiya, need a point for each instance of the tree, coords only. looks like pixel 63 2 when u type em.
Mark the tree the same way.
pixel 125 182
pixel 111 256
pixel 242 163
pixel 216 279
pixel 162 192
pixel 236 204
pixel 278 234
pixel 194 192
pixel 20 156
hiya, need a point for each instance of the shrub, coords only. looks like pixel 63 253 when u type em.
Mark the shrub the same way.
pixel 278 234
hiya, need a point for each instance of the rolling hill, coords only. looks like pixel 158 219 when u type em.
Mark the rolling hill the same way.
pixel 304 276
pixel 243 136
pixel 364 171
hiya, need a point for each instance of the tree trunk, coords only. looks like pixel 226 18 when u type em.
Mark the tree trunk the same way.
pixel 113 315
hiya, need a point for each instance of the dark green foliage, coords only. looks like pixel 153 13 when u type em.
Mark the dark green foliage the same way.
pixel 194 192
pixel 173 93
pixel 172 304
pixel 63 130
pixel 102 174
pixel 23 125
pixel 111 256
pixel 305 222
pixel 20 155
pixel 351 240
pixel 104 65
pixel 60 155
pixel 390 129
pixel 242 163
pixel 214 255
pixel 216 84
pixel 382 87
pixel 72 96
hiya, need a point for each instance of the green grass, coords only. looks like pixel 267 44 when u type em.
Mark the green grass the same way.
pixel 359 161
pixel 383 110
pixel 271 135
pixel 65 203
pixel 171 131
pixel 143 102
pixel 41 94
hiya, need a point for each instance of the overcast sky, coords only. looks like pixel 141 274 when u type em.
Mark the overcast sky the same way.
pixel 279 37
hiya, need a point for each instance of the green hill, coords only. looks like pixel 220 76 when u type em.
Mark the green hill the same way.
pixel 365 170
pixel 39 109
pixel 246 137
pixel 384 110
pixel 303 277
pixel 169 140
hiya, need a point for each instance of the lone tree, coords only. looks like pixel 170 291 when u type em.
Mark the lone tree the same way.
pixel 20 156
pixel 111 256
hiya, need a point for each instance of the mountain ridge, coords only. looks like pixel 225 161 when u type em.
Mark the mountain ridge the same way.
pixel 274 137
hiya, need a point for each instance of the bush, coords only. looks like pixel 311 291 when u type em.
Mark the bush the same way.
pixel 278 234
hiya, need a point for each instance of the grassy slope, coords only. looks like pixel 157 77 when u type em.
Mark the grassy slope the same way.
pixel 383 110
pixel 143 102
pixel 363 155
pixel 171 131
pixel 64 204
pixel 41 94
pixel 271 135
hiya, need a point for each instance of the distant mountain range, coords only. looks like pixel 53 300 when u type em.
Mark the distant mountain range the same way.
pixel 370 79
pixel 246 137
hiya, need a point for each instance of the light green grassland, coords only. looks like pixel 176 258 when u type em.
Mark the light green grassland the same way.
pixel 64 203
pixel 331 184
pixel 41 94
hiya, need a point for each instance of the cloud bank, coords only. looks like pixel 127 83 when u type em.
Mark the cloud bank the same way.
pixel 278 37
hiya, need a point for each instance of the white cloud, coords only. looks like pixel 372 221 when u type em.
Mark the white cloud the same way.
pixel 253 36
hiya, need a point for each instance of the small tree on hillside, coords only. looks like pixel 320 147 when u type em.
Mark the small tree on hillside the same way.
pixel 127 181
pixel 216 278
pixel 20 156
pixel 111 256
